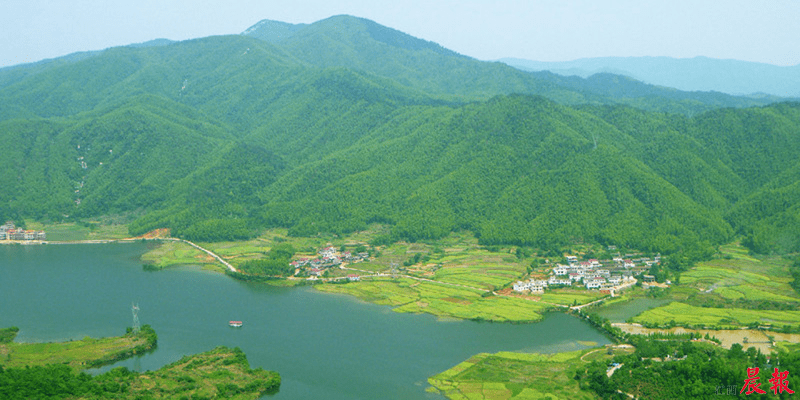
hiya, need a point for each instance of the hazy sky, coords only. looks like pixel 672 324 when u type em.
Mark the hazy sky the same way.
pixel 765 31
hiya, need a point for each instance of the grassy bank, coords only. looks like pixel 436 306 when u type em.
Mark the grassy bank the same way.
pixel 219 373
pixel 79 354
pixel 52 370
pixel 172 253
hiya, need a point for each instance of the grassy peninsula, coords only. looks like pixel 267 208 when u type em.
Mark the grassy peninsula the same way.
pixel 78 354
pixel 52 370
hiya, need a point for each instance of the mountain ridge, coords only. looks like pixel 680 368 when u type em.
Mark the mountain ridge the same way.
pixel 239 133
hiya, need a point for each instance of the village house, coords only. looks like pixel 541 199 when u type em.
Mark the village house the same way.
pixel 521 286
pixel 353 277
pixel 595 283
pixel 555 281
pixel 532 285
pixel 571 259
pixel 560 269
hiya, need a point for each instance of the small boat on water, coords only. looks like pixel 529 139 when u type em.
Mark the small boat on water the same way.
pixel 235 324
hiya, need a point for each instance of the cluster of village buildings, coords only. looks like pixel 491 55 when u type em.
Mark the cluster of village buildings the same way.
pixel 9 231
pixel 328 257
pixel 590 273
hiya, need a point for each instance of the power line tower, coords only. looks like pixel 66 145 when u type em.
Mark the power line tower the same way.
pixel 135 312
pixel 394 270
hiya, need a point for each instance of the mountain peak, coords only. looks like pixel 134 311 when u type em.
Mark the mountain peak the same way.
pixel 272 31
pixel 341 27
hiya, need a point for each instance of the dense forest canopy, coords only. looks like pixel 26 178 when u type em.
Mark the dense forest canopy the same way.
pixel 342 123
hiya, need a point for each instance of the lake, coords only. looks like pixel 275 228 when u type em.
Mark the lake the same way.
pixel 324 346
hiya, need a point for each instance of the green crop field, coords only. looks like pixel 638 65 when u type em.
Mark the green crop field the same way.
pixel 480 276
pixel 750 293
pixel 508 375
pixel 684 314
pixel 408 295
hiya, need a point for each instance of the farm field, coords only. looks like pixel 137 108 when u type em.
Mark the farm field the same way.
pixel 507 375
pixel 765 278
pixel 735 290
pixel 687 315
pixel 759 339
pixel 409 295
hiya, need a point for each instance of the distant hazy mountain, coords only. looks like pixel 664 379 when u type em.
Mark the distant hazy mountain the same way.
pixel 364 45
pixel 691 74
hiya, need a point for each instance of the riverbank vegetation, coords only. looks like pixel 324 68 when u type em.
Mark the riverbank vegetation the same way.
pixel 79 354
pixel 53 370
pixel 219 373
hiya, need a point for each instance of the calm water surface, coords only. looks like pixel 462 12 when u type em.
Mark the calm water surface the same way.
pixel 621 312
pixel 324 346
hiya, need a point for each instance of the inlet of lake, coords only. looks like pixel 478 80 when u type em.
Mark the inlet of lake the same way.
pixel 324 346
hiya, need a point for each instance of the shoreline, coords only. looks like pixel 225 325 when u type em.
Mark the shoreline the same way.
pixel 125 240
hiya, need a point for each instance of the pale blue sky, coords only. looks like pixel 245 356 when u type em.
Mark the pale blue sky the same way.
pixel 543 30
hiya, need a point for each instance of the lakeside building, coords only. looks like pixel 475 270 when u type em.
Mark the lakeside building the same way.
pixel 9 231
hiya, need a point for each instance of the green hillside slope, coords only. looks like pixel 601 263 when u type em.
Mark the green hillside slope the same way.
pixel 335 125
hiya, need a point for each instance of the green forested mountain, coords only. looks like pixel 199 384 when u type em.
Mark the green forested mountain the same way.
pixel 331 126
